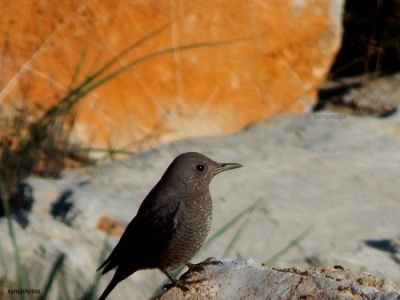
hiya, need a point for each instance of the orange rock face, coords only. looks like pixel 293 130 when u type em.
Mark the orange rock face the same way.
pixel 49 47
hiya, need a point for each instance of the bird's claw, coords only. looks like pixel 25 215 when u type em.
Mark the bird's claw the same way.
pixel 181 284
pixel 175 284
pixel 200 266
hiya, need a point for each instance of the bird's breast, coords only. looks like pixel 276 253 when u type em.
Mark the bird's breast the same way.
pixel 193 225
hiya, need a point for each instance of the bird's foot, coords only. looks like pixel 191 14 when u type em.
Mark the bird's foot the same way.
pixel 200 266
pixel 181 284
pixel 184 279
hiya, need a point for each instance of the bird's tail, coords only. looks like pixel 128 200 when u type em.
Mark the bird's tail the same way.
pixel 119 275
pixel 108 265
pixel 103 264
pixel 114 281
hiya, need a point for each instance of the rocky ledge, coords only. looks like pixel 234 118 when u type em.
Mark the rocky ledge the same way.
pixel 245 279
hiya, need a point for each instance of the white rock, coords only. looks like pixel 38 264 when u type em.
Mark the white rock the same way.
pixel 335 174
pixel 244 279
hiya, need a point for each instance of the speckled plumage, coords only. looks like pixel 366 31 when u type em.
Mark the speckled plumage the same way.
pixel 172 222
pixel 190 234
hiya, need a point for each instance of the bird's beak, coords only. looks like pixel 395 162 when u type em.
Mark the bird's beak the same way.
pixel 226 166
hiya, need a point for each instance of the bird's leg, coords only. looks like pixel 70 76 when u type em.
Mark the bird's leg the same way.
pixel 200 266
pixel 175 282
pixel 179 283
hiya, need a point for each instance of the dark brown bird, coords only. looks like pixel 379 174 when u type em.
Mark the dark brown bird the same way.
pixel 172 222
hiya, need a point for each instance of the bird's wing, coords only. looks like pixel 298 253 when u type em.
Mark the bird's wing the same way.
pixel 147 234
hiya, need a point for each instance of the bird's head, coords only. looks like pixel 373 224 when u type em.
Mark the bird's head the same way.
pixel 196 170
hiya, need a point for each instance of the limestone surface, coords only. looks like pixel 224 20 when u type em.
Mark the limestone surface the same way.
pixel 243 279
pixel 315 190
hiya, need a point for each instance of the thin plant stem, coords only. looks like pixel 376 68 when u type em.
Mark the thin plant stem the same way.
pixel 4 199
pixel 241 229
pixel 289 246
pixel 50 280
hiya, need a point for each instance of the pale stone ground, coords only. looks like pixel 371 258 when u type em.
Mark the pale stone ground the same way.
pixel 245 279
pixel 335 174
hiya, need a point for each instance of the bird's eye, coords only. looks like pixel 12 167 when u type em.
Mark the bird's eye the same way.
pixel 200 168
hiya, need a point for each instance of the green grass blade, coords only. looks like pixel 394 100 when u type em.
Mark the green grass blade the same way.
pixel 65 104
pixel 3 265
pixel 229 225
pixel 105 150
pixel 96 60
pixel 91 292
pixel 103 256
pixel 396 258
pixel 126 51
pixel 235 238
pixel 50 280
pixel 77 94
pixel 240 231
pixel 289 246
pixel 4 199
pixel 78 68
pixel 156 54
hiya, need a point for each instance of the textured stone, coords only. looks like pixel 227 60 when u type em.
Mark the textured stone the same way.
pixel 332 176
pixel 211 90
pixel 243 279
